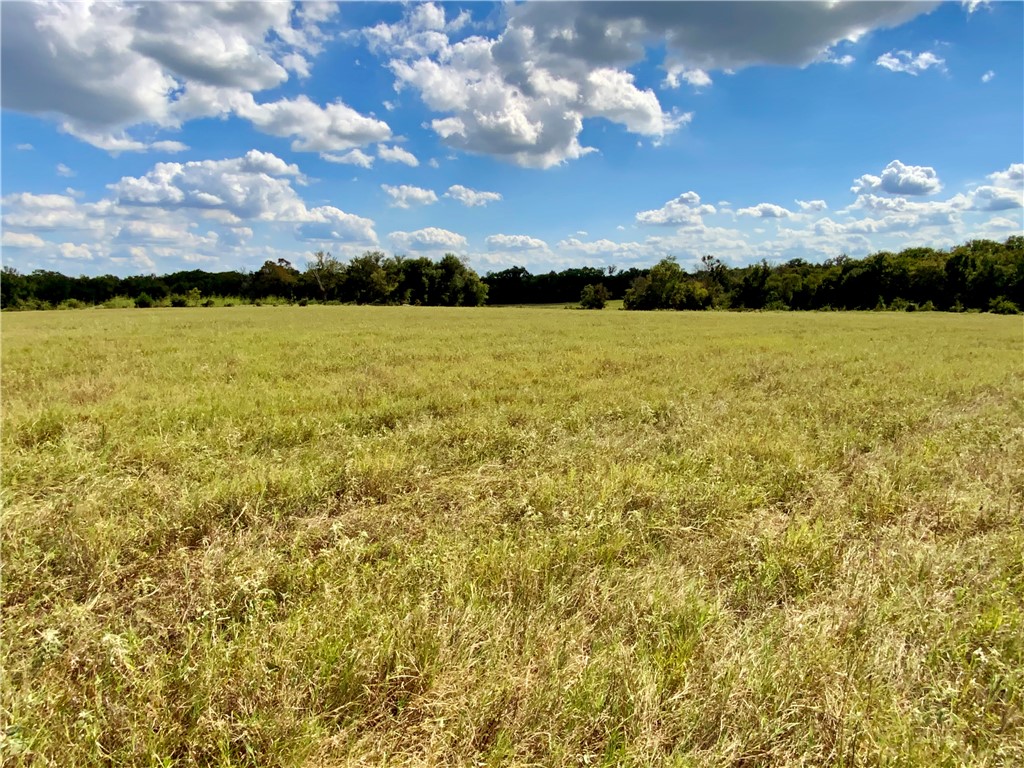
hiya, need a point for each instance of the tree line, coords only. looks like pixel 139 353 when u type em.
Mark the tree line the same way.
pixel 372 278
pixel 979 275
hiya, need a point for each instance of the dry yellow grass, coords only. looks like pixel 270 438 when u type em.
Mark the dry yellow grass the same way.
pixel 332 536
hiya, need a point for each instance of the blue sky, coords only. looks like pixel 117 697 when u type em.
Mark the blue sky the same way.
pixel 162 136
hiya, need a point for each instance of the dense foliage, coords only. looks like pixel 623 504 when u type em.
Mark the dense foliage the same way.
pixel 371 278
pixel 980 275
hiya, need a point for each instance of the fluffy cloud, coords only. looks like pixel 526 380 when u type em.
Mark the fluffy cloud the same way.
pixel 355 157
pixel 471 197
pixel 75 252
pixel 900 179
pixel 105 68
pixel 812 205
pixel 22 240
pixel 327 223
pixel 765 211
pixel 77 60
pixel 25 210
pixel 315 128
pixel 987 77
pixel 182 213
pixel 396 155
pixel 515 243
pixel 1011 178
pixel 905 61
pixel 430 239
pixel 685 210
pixel 990 198
pixel 505 97
pixel 680 73
pixel 406 195
pixel 250 187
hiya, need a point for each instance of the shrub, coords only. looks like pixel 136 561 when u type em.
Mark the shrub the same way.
pixel 594 296
pixel 179 301
pixel 209 303
pixel 144 301
pixel 119 302
pixel 1003 306
pixel 72 304
pixel 193 297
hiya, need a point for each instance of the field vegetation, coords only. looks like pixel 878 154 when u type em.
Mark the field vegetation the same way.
pixel 333 536
pixel 980 275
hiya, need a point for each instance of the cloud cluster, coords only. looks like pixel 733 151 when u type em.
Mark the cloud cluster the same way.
pixel 685 210
pixel 911 64
pixel 104 69
pixel 503 97
pixel 355 157
pixel 181 212
pixel 899 179
pixel 523 94
pixel 429 240
pixel 515 243
pixel 471 197
pixel 765 211
pixel 406 195
pixel 397 155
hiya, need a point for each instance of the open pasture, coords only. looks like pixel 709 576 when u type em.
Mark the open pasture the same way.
pixel 331 536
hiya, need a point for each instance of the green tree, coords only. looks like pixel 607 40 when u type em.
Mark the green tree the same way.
pixel 368 281
pixel 594 296
pixel 327 274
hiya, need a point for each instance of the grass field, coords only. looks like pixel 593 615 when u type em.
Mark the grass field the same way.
pixel 332 536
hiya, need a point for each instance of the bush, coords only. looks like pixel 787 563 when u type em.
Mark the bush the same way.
pixel 144 301
pixel 209 303
pixel 179 301
pixel 72 304
pixel 1003 306
pixel 119 302
pixel 594 296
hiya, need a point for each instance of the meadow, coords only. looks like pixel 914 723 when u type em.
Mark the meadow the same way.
pixel 340 536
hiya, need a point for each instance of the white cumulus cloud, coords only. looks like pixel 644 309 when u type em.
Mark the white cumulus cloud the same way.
pixel 406 195
pixel 354 157
pixel 396 154
pixel 515 243
pixel 429 239
pixel 103 69
pixel 22 240
pixel 471 197
pixel 812 205
pixel 685 210
pixel 912 64
pixel 765 211
pixel 899 179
